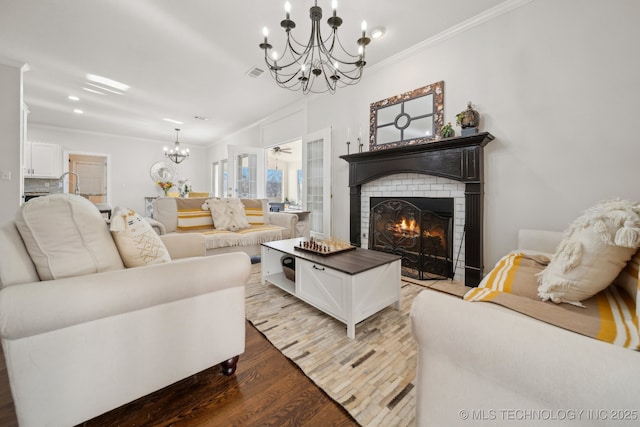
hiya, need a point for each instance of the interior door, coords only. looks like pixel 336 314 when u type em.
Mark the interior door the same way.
pixel 316 188
pixel 93 170
pixel 94 179
pixel 246 172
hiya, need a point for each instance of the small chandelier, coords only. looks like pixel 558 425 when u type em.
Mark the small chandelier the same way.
pixel 322 64
pixel 176 154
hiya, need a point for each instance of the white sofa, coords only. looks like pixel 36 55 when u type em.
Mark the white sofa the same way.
pixel 482 364
pixel 277 226
pixel 76 347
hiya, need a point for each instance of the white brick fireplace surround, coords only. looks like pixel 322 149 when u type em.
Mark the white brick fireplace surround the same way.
pixel 419 185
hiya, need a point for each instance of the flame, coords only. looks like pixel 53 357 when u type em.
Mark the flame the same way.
pixel 410 226
pixel 406 227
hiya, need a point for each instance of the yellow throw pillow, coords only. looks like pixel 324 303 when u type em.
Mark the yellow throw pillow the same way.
pixel 137 242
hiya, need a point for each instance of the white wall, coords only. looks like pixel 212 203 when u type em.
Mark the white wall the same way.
pixel 556 82
pixel 10 137
pixel 131 160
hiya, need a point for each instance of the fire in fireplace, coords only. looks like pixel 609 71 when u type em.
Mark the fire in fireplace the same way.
pixel 419 229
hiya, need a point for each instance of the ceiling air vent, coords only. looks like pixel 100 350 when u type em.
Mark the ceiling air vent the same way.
pixel 255 72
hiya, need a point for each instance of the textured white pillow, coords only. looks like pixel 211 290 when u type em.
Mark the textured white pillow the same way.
pixel 136 240
pixel 594 250
pixel 66 236
pixel 228 214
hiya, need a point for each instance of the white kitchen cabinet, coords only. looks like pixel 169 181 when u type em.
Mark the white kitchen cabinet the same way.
pixel 42 160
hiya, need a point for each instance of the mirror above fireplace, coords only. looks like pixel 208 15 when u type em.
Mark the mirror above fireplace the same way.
pixel 410 118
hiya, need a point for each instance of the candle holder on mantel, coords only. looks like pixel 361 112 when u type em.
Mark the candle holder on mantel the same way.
pixel 360 145
pixel 348 144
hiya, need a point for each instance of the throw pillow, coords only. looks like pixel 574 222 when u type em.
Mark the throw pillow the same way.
pixel 136 240
pixel 593 251
pixel 228 214
pixel 66 236
pixel 206 205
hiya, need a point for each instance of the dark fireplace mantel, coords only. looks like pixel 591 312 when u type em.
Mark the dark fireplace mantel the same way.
pixel 459 159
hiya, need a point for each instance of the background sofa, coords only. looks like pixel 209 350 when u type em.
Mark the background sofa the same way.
pixel 273 226
pixel 101 335
pixel 482 364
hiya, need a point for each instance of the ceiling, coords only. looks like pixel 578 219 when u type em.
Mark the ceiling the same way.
pixel 184 59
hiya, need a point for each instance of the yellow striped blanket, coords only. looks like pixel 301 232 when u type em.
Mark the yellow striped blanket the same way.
pixel 610 315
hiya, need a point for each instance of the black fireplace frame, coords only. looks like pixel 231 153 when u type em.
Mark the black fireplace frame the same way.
pixel 460 159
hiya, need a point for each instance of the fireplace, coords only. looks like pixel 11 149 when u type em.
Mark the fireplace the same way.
pixel 419 229
pixel 458 160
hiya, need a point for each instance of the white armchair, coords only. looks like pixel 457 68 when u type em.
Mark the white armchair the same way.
pixel 79 346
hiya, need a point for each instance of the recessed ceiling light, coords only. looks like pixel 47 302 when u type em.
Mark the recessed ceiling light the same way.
pixel 104 88
pixel 73 98
pixel 173 121
pixel 108 82
pixel 93 91
pixel 378 32
pixel 78 111
pixel 200 118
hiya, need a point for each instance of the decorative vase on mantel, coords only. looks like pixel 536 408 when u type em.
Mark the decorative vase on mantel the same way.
pixel 468 120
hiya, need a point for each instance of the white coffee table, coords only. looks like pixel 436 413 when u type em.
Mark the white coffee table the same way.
pixel 349 286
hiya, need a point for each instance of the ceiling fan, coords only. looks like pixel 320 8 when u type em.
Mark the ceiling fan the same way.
pixel 279 150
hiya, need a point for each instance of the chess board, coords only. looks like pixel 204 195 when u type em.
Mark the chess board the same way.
pixel 323 248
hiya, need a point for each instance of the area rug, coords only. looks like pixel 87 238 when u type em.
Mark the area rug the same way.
pixel 372 376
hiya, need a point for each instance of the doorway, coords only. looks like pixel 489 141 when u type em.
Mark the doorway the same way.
pixel 284 174
pixel 93 176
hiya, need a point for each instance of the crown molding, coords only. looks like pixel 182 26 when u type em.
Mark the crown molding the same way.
pixel 55 128
pixel 457 29
pixel 13 63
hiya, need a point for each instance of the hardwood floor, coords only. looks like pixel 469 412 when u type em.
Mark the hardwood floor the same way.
pixel 266 390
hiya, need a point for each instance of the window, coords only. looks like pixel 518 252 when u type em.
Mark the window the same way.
pixel 246 175
pixel 274 185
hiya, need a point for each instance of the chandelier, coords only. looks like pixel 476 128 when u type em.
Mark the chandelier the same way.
pixel 176 154
pixel 321 64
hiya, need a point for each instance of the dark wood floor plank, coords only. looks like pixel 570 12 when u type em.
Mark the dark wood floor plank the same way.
pixel 266 390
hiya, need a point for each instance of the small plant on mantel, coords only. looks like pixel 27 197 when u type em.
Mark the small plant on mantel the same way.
pixel 447 131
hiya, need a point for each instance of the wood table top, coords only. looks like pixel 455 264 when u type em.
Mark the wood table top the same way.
pixel 350 262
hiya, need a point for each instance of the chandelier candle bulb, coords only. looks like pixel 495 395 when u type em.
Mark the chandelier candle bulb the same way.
pixel 287 9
